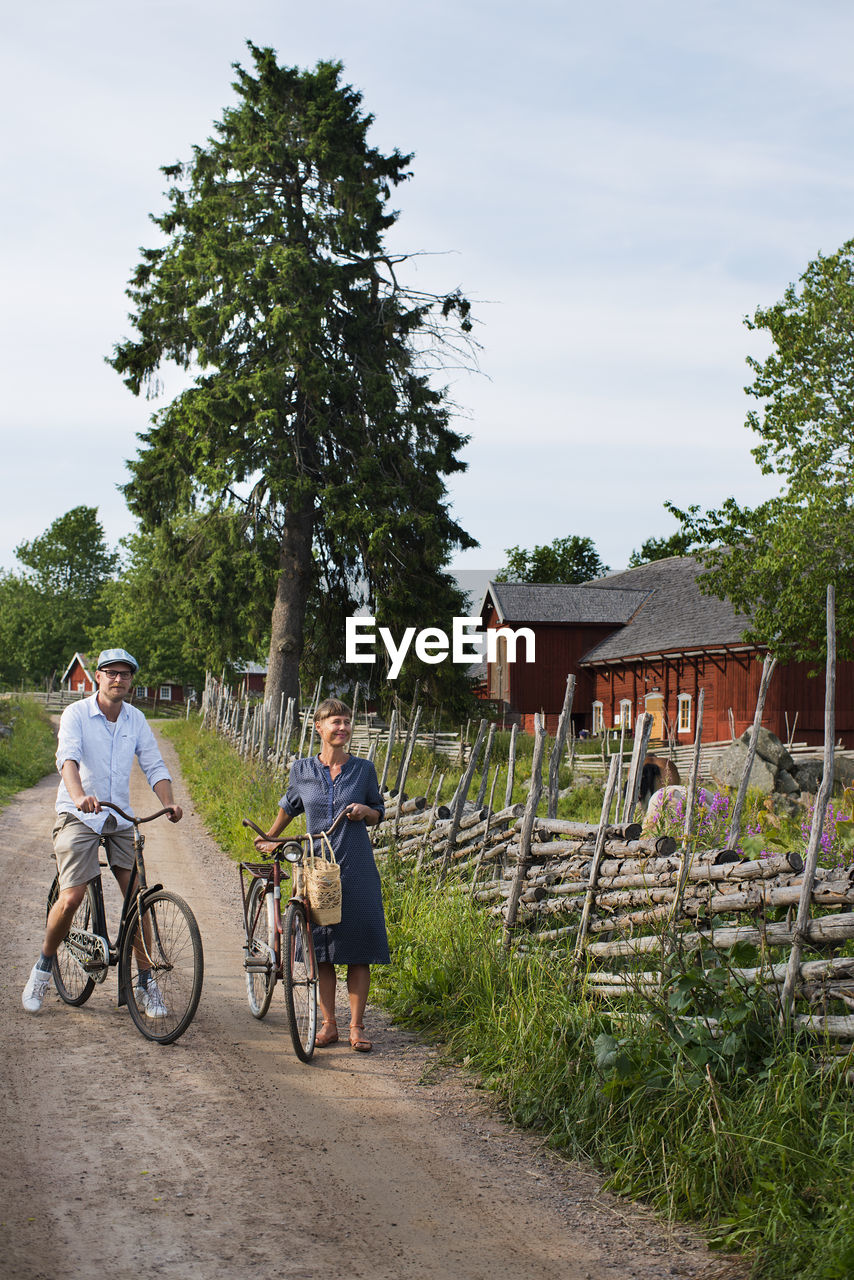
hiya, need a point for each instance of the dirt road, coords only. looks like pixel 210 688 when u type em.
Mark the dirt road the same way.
pixel 222 1156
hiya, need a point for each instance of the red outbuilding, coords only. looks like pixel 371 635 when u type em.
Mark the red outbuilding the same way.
pixel 78 676
pixel 648 640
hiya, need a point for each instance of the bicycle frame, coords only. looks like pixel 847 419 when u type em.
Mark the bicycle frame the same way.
pixel 267 871
pixel 136 895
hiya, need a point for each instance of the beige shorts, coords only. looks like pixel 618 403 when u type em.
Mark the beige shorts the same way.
pixel 76 848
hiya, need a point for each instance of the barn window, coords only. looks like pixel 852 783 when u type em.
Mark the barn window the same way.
pixel 166 693
pixel 684 713
pixel 598 717
pixel 142 690
pixel 625 713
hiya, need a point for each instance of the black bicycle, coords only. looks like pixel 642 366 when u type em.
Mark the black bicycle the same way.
pixel 158 949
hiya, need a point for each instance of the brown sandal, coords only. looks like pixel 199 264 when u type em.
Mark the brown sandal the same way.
pixel 358 1042
pixel 324 1038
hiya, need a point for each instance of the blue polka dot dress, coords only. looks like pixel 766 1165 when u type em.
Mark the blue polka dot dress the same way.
pixel 361 937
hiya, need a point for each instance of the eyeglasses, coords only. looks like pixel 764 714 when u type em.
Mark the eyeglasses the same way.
pixel 115 675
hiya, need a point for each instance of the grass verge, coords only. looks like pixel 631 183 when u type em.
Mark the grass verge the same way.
pixel 744 1137
pixel 29 751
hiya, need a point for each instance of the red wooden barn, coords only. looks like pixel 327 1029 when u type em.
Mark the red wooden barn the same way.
pixel 649 640
pixel 252 676
pixel 79 677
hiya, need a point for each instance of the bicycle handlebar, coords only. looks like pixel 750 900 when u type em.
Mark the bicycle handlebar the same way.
pixel 247 822
pixel 128 817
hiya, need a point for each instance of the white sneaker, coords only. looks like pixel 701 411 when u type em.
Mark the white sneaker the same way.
pixel 36 989
pixel 150 1000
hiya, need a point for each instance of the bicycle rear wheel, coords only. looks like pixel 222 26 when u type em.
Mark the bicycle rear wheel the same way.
pixel 164 944
pixel 259 983
pixel 300 973
pixel 72 981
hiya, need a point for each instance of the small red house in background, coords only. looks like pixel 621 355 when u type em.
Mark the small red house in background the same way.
pixel 251 678
pixel 79 677
pixel 649 640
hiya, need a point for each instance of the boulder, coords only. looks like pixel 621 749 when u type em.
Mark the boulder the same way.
pixel 786 783
pixel 807 775
pixel 769 747
pixel 788 806
pixel 729 767
pixel 843 771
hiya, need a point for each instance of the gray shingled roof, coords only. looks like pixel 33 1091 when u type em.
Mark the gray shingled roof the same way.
pixel 522 602
pixel 655 608
pixel 675 616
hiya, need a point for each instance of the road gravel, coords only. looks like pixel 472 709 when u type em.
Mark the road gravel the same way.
pixel 222 1156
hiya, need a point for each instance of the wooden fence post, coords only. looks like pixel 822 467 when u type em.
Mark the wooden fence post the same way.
pixel 610 788
pixel 462 792
pixel 619 787
pixel 687 852
pixel 483 842
pixel 392 725
pixel 527 829
pixel 398 785
pixel 735 824
pixel 643 730
pixel 511 767
pixel 787 996
pixel 485 770
pixel 404 769
pixel 557 749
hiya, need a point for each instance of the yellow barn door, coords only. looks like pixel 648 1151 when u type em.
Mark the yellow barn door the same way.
pixel 654 704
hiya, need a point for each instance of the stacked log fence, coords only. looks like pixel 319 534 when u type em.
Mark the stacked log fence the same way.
pixel 614 904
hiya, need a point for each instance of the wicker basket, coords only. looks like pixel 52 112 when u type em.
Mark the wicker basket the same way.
pixel 322 883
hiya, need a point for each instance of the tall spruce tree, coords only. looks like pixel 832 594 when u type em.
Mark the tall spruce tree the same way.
pixel 310 402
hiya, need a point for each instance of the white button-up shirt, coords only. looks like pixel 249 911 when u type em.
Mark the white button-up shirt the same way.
pixel 104 754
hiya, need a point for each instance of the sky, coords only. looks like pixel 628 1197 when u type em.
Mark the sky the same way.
pixel 615 186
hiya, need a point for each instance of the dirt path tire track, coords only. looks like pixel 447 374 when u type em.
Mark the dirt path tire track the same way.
pixel 222 1156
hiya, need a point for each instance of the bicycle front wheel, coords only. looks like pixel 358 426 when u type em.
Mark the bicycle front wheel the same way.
pixel 72 981
pixel 162 967
pixel 300 973
pixel 259 982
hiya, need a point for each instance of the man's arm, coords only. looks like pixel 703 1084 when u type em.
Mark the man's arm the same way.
pixel 163 791
pixel 74 787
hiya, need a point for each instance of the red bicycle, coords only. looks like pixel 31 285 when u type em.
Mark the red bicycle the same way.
pixel 278 946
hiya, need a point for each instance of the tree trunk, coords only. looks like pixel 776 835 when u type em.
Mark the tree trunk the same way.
pixel 286 640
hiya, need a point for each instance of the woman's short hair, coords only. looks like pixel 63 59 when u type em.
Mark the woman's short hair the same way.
pixel 332 707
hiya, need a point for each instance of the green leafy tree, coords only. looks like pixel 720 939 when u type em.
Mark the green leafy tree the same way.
pixel 774 562
pixel 71 558
pixel 46 611
pixel 311 405
pixel 191 596
pixel 680 543
pixel 565 560
pixel 24 622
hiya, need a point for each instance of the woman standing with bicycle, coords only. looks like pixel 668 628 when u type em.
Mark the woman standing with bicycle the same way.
pixel 321 786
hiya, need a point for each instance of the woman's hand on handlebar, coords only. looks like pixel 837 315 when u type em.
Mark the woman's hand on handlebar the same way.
pixel 177 812
pixel 362 813
pixel 266 846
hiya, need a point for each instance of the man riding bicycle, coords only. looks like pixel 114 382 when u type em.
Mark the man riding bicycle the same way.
pixel 98 740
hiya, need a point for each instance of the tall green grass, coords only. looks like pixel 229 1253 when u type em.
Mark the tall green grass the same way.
pixel 742 1135
pixel 29 752
pixel 756 1145
pixel 225 789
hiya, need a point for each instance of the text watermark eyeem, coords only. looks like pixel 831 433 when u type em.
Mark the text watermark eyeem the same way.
pixel 467 643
